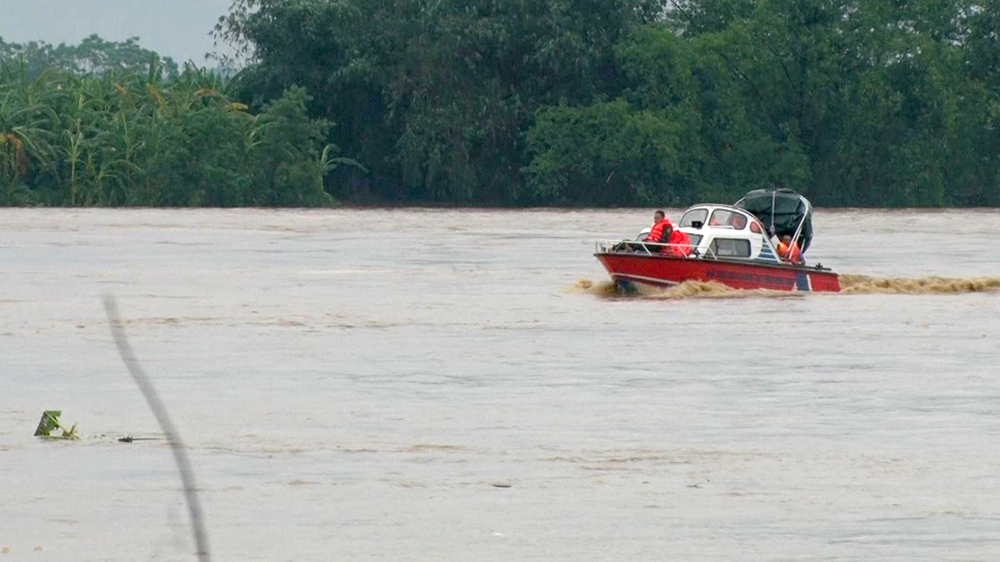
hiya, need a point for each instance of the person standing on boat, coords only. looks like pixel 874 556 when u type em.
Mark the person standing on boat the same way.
pixel 661 229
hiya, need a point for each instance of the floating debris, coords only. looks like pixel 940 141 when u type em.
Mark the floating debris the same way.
pixel 131 438
pixel 50 422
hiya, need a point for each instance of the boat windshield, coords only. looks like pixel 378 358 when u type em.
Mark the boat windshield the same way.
pixel 694 215
pixel 725 217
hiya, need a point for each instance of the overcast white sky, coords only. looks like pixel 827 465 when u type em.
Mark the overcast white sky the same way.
pixel 174 28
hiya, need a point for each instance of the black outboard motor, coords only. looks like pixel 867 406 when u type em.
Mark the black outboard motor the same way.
pixel 781 211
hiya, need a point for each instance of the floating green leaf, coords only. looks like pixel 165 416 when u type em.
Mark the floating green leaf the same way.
pixel 50 422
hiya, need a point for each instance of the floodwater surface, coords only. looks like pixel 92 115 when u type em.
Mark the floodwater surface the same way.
pixel 428 385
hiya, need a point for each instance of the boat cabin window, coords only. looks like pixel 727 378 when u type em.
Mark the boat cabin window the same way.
pixel 725 217
pixel 731 248
pixel 693 216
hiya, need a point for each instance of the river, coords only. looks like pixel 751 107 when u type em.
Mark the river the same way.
pixel 428 385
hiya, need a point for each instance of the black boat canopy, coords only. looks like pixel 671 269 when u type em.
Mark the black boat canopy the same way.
pixel 782 211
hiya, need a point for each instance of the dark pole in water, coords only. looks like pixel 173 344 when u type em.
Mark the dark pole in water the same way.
pixel 174 438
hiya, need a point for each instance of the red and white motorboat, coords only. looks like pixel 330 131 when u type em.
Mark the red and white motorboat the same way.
pixel 730 244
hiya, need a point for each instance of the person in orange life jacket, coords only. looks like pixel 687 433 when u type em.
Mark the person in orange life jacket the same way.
pixel 661 229
pixel 680 244
pixel 788 251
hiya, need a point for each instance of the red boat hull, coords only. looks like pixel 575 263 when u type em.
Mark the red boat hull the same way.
pixel 664 271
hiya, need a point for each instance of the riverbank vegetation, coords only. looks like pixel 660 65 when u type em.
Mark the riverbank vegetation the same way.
pixel 533 102
pixel 140 131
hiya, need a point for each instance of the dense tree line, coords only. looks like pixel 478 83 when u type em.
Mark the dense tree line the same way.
pixel 853 102
pixel 92 56
pixel 528 102
pixel 436 98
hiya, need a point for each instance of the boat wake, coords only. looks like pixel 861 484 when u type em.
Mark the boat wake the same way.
pixel 864 284
pixel 850 284
pixel 685 290
pixel 712 290
pixel 585 286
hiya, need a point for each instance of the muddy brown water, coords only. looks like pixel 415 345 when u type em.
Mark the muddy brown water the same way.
pixel 458 385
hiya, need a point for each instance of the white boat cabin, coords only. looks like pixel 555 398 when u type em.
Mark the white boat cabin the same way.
pixel 725 232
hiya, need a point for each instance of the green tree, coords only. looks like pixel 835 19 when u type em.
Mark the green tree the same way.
pixel 434 96
pixel 92 55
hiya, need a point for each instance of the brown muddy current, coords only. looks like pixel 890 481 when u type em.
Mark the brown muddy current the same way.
pixel 427 385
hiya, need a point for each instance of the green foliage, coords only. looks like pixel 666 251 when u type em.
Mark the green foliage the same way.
pixel 605 153
pixel 435 97
pixel 50 422
pixel 139 136
pixel 864 102
pixel 92 55
pixel 287 155
pixel 853 102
